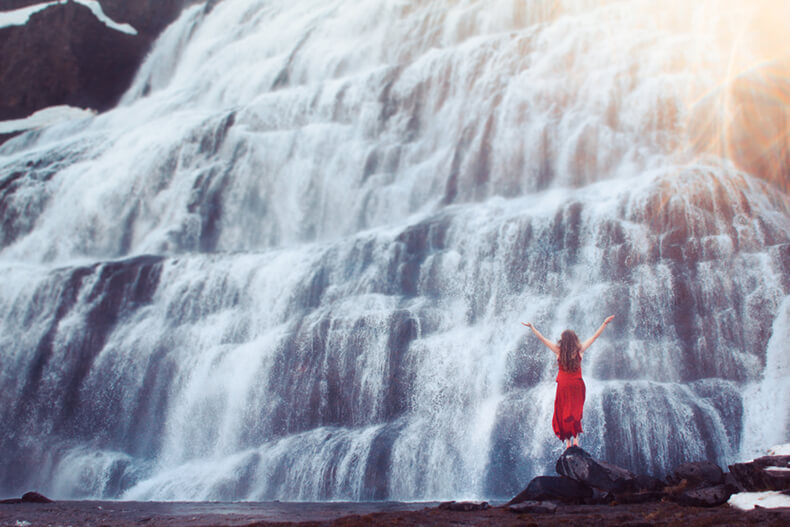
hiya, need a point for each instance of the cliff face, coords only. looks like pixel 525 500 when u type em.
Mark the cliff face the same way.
pixel 66 55
pixel 149 17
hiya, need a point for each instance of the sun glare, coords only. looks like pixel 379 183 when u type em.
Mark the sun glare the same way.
pixel 744 116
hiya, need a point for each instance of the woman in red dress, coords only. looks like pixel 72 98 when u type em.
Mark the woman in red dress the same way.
pixel 569 401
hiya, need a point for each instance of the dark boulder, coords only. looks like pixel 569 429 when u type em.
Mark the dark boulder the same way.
pixel 764 473
pixel 705 496
pixel 577 464
pixel 699 484
pixel 599 497
pixel 534 507
pixel 28 497
pixel 554 488
pixel 648 483
pixel 35 497
pixel 645 489
pixel 731 482
pixel 698 472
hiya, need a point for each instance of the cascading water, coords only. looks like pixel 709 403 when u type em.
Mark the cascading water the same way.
pixel 292 263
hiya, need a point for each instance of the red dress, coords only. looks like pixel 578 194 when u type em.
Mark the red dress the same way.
pixel 568 404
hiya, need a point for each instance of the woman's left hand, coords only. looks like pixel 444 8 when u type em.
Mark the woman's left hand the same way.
pixel 528 324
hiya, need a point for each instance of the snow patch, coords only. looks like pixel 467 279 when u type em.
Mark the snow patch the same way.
pixel 20 17
pixel 771 499
pixel 45 117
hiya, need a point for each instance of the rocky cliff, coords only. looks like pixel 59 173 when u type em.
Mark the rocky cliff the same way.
pixel 66 55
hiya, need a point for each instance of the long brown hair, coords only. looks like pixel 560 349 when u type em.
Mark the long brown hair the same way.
pixel 570 358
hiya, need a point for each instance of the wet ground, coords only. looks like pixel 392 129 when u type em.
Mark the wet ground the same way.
pixel 123 513
pixel 116 514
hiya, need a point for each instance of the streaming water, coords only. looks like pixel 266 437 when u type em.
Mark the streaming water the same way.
pixel 292 263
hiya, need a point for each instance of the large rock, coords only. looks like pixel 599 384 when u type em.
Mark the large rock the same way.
pixel 699 472
pixel 554 488
pixel 577 464
pixel 28 497
pixel 65 55
pixel 35 497
pixel 648 483
pixel 731 482
pixel 764 473
pixel 704 496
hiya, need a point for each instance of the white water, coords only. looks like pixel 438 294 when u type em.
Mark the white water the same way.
pixel 46 117
pixel 353 205
pixel 767 400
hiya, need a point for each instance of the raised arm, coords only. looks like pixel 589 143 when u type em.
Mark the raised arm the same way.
pixel 549 344
pixel 587 343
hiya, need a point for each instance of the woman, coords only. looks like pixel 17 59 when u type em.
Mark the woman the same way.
pixel 569 400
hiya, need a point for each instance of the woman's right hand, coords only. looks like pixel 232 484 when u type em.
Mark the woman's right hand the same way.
pixel 608 319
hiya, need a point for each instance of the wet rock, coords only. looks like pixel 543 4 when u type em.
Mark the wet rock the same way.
pixel 649 483
pixel 764 473
pixel 730 481
pixel 28 497
pixel 704 496
pixel 599 497
pixel 464 506
pixel 699 472
pixel 554 488
pixel 577 464
pixel 646 489
pixel 534 507
pixel 65 55
pixel 35 497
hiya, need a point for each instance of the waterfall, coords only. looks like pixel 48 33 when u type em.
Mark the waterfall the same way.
pixel 292 262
